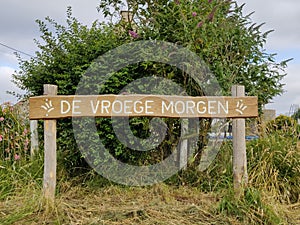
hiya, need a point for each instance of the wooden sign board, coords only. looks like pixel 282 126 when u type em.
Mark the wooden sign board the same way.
pixel 60 106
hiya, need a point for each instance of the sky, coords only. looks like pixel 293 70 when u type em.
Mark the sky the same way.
pixel 18 30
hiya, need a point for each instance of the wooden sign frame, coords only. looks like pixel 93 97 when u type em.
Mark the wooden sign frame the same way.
pixel 51 107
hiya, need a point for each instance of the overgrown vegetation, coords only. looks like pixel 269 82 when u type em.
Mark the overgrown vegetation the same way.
pixel 232 46
pixel 217 31
pixel 14 134
pixel 190 197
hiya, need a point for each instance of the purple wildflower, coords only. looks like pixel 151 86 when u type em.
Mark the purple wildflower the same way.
pixel 133 34
pixel 212 14
pixel 177 2
pixel 209 1
pixel 200 24
pixel 194 14
pixel 1 137
pixel 1 119
pixel 17 157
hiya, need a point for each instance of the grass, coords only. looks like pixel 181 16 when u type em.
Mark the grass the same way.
pixel 159 204
pixel 190 197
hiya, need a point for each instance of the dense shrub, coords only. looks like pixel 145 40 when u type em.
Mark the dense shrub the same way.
pixel 283 123
pixel 273 167
pixel 213 30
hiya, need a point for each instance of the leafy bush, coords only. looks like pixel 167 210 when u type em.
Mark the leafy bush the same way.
pixel 212 30
pixel 287 125
pixel 215 178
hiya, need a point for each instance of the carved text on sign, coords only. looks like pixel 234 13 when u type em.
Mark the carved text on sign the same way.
pixel 50 107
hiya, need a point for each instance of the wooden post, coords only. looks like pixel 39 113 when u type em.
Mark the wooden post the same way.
pixel 183 152
pixel 34 139
pixel 240 175
pixel 49 181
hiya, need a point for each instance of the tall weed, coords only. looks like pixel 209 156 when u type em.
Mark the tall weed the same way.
pixel 274 165
pixel 14 134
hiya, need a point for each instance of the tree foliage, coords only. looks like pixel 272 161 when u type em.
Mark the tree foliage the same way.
pixel 285 126
pixel 65 53
pixel 216 30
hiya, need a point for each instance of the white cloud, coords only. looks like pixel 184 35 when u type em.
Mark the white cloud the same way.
pixel 281 15
pixel 7 85
pixel 7 57
pixel 292 91
pixel 19 29
pixel 18 26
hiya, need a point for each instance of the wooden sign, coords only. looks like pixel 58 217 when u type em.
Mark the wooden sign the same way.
pixel 60 106
pixel 51 107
